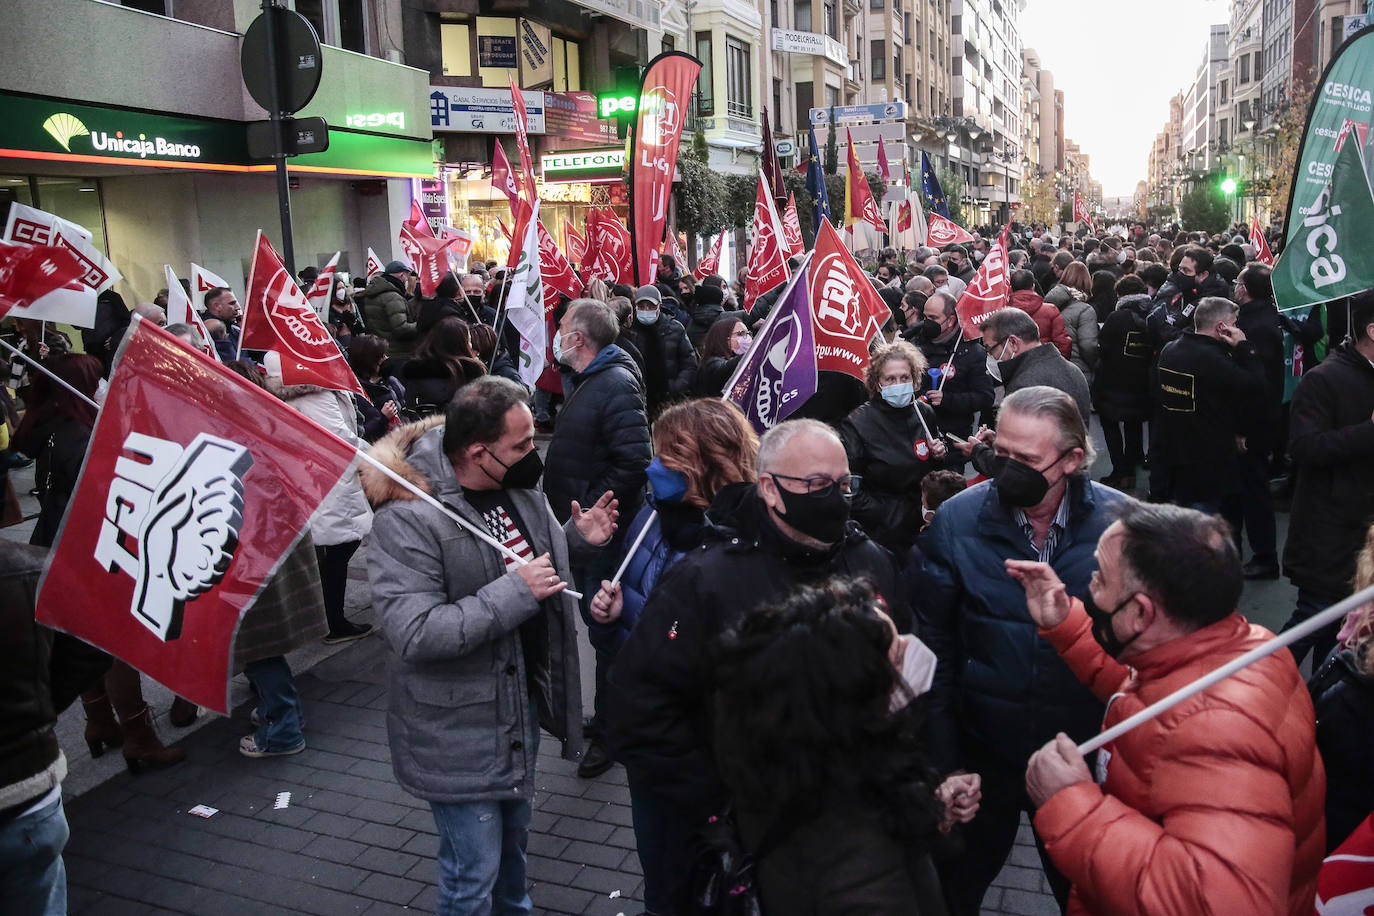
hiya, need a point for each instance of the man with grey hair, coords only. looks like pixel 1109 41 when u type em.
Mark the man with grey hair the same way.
pixel 790 526
pixel 1012 338
pixel 1209 388
pixel 149 312
pixel 600 443
pixel 1000 691
pixel 188 333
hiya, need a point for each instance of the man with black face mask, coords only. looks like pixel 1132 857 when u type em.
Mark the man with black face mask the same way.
pixel 1214 806
pixel 474 289
pixel 790 527
pixel 1000 692
pixel 483 650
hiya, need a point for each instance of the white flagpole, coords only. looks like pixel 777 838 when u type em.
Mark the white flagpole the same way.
pixel 629 554
pixel 958 340
pixel 1310 625
pixel 48 372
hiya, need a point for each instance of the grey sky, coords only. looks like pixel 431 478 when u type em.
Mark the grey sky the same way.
pixel 1118 64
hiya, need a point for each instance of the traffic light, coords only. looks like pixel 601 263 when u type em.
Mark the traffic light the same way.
pixel 1228 186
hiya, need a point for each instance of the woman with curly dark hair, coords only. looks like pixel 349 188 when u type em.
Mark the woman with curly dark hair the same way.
pixel 818 739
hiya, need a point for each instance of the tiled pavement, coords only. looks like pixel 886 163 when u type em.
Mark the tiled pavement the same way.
pixel 351 841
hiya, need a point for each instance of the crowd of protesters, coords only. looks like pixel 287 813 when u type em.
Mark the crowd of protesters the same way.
pixel 851 653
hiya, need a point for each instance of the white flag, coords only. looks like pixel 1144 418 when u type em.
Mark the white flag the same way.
pixel 374 263
pixel 322 293
pixel 202 281
pixel 525 304
pixel 179 311
pixel 31 226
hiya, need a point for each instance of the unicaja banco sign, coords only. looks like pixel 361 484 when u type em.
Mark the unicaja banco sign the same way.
pixel 72 134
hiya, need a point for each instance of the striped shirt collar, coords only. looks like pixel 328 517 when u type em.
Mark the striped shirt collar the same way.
pixel 1058 524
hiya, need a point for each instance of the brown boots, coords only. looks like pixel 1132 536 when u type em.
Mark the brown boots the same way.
pixel 142 749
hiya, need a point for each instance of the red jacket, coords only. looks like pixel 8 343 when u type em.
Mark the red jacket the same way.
pixel 1047 319
pixel 1215 806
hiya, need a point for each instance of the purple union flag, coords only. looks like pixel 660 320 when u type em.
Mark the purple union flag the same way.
pixel 778 374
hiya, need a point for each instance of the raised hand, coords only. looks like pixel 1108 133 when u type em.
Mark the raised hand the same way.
pixel 597 525
pixel 1046 597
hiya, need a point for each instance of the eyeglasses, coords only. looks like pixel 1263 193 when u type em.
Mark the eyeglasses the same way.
pixel 991 346
pixel 819 485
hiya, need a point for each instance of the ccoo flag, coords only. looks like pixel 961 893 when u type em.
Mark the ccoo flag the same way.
pixel 179 311
pixel 778 373
pixel 664 98
pixel 767 257
pixel 321 292
pixel 791 227
pixel 1262 253
pixel 195 485
pixel 711 263
pixel 32 277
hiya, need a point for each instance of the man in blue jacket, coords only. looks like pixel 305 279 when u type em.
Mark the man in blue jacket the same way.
pixel 1000 691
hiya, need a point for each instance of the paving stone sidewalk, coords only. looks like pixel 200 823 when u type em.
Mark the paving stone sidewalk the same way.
pixel 351 841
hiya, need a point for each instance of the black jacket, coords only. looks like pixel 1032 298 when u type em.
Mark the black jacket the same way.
pixel 351 321
pixel 1045 365
pixel 666 340
pixel 1121 385
pixel 601 441
pixel 707 314
pixel 659 696
pixel 1331 443
pixel 713 374
pixel 1343 699
pixel 429 386
pixel 65 441
pixel 1259 321
pixel 885 445
pixel 1207 393
pixel 1041 266
pixel 969 390
pixel 1173 312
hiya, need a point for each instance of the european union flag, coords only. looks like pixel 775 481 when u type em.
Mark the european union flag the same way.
pixel 931 190
pixel 815 183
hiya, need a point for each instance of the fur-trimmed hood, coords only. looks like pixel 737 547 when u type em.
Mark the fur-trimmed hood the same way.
pixel 423 463
pixel 286 392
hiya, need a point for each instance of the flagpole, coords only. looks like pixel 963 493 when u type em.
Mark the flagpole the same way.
pixel 944 375
pixel 500 323
pixel 46 371
pixel 1284 639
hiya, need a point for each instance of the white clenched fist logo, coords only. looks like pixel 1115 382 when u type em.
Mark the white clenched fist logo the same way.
pixel 172 521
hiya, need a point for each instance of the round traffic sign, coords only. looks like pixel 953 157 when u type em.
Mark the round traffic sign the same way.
pixel 299 61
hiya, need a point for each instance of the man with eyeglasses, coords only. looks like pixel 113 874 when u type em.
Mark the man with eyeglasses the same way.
pixel 1000 691
pixel 1012 339
pixel 790 526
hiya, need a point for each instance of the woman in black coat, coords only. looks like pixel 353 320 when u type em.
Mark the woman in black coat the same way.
pixel 443 363
pixel 721 350
pixel 892 441
pixel 1121 386
pixel 385 393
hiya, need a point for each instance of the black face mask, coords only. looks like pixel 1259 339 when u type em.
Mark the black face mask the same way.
pixel 1102 625
pixel 1019 484
pixel 523 475
pixel 820 517
pixel 927 328
pixel 475 302
pixel 1186 285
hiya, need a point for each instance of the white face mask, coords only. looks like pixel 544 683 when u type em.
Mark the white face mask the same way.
pixel 918 672
pixel 646 316
pixel 341 294
pixel 742 344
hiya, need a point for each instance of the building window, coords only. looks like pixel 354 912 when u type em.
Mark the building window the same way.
pixel 567 65
pixel 1259 63
pixel 832 25
pixel 738 89
pixel 455 47
pixel 773 14
pixel 337 22
pixel 1244 69
pixel 832 96
pixel 777 104
pixel 706 97
pixel 875 4
pixel 878 53
pixel 803 13
pixel 906 27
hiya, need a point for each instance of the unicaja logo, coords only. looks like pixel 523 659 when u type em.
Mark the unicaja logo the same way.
pixel 62 127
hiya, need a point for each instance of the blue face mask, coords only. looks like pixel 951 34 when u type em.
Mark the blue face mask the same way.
pixel 899 395
pixel 646 316
pixel 669 486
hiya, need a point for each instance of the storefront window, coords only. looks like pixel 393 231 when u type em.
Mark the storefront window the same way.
pixel 74 199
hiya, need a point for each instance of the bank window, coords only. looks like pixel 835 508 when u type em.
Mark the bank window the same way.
pixel 455 43
pixel 738 87
pixel 706 98
pixel 832 96
pixel 567 65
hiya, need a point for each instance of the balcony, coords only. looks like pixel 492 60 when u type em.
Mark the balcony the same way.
pixel 735 109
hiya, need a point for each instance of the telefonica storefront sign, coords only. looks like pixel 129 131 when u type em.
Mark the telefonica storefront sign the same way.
pixel 810 43
pixel 583 164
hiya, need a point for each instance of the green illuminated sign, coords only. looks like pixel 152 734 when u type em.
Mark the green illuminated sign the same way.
pixel 396 119
pixel 614 104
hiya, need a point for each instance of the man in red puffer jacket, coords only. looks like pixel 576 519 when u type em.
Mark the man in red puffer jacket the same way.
pixel 1214 806
pixel 1047 317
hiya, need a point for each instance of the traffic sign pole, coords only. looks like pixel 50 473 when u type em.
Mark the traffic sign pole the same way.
pixel 288 248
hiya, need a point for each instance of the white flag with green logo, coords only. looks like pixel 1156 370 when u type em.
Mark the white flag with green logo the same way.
pixel 525 305
pixel 1326 256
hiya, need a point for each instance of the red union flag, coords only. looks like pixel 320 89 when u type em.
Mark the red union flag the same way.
pixel 663 100
pixel 31 226
pixel 1080 210
pixel 884 171
pixel 35 277
pixel 554 269
pixel 576 244
pixel 791 227
pixel 846 309
pixel 429 254
pixel 709 264
pixel 503 176
pixel 522 142
pixel 990 287
pixel 277 317
pixel 1262 253
pixel 202 281
pixel 767 259
pixel 195 485
pixel 179 311
pixel 374 263
pixel 941 232
pixel 608 244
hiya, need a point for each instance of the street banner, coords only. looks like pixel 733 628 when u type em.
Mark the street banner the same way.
pixel 525 303
pixel 321 292
pixel 1262 253
pixel 575 244
pixel 609 248
pixel 664 100
pixel 709 264
pixel 1326 256
pixel 39 280
pixel 502 175
pixel 941 232
pixel 778 373
pixel 815 183
pixel 277 317
pixel 884 172
pixel 1080 211
pixel 791 227
pixel 772 169
pixel 522 143
pixel 179 311
pixel 859 206
pixel 767 259
pixel 846 308
pixel 990 288
pixel 27 225
pixel 195 486
pixel 202 281
pixel 374 263
pixel 930 187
